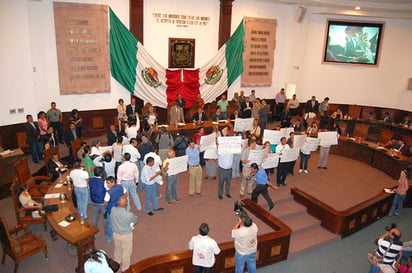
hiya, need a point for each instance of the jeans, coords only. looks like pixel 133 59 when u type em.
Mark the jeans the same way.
pixel 140 165
pixel 130 187
pixel 397 204
pixel 304 159
pixel 150 197
pixel 171 187
pixel 82 196
pixel 36 150
pixel 109 229
pixel 201 269
pixel 250 259
pixel 283 169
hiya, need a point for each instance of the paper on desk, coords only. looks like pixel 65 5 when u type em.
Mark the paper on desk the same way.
pixel 64 223
pixel 58 186
pixel 388 190
pixel 51 195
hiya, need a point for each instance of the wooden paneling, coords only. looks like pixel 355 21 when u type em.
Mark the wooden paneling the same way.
pixel 354 111
pixel 385 136
pixel 361 130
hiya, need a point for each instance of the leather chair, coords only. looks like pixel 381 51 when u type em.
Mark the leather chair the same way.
pixel 25 215
pixel 24 177
pixel 76 144
pixel 19 248
pixel 47 157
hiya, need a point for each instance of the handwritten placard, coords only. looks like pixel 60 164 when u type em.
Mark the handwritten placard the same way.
pixel 272 136
pixel 298 141
pixel 257 156
pixel 208 142
pixel 328 138
pixel 243 124
pixel 229 145
pixel 287 131
pixel 289 155
pixel 311 144
pixel 271 161
pixel 177 165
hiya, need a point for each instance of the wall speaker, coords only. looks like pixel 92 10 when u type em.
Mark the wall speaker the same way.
pixel 299 14
pixel 409 84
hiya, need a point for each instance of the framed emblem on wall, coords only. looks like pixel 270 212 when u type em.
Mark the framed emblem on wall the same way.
pixel 181 53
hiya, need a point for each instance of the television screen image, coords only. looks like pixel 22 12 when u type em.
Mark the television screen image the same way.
pixel 349 42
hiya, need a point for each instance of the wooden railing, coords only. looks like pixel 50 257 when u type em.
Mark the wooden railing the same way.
pixel 273 247
pixel 348 221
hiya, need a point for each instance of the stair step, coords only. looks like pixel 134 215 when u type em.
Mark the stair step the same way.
pixel 309 239
pixel 301 223
pixel 285 210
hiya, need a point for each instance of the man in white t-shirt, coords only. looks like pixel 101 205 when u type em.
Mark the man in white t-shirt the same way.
pixel 80 179
pixel 204 250
pixel 245 234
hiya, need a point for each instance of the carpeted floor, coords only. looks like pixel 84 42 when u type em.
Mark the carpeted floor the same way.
pixel 345 183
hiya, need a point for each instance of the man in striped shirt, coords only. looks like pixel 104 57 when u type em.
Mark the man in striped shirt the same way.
pixel 390 248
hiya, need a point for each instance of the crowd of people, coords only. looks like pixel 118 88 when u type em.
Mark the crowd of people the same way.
pixel 137 158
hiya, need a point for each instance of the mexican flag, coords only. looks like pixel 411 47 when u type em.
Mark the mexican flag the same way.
pixel 134 68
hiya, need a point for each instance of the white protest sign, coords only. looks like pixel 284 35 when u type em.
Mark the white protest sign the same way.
pixel 257 156
pixel 272 136
pixel 328 138
pixel 271 161
pixel 289 155
pixel 208 142
pixel 243 124
pixel 311 144
pixel 229 145
pixel 177 165
pixel 105 149
pixel 287 131
pixel 210 154
pixel 298 141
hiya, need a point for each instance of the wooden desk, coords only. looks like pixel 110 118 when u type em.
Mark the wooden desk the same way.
pixel 82 236
pixel 7 171
pixel 190 128
pixel 392 163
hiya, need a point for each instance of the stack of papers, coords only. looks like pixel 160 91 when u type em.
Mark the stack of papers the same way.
pixel 64 223
pixel 58 186
pixel 51 195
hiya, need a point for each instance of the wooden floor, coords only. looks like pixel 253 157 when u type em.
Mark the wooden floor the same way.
pixel 345 183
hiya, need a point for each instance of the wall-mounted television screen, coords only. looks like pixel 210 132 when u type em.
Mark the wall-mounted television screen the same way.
pixel 353 42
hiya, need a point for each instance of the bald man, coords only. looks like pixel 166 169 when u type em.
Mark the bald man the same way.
pixel 123 222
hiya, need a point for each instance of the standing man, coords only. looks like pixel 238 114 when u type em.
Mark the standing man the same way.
pixel 123 225
pixel 133 111
pixel 283 167
pixel 149 176
pixel 262 184
pixel 223 103
pixel 113 194
pixel 293 105
pixel 181 103
pixel 80 180
pixel 70 136
pixel 97 194
pixel 225 162
pixel 33 139
pixel 245 234
pixel 323 109
pixel 323 155
pixel 176 114
pixel 246 108
pixel 56 118
pixel 128 176
pixel 280 100
pixel 252 95
pixel 195 170
pixel 311 109
pixel 112 135
pixel 171 180
pixel 204 250
pixel 246 177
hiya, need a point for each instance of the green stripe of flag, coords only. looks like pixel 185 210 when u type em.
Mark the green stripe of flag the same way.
pixel 123 50
pixel 234 54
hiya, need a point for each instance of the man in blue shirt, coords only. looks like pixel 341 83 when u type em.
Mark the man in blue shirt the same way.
pixel 97 194
pixel 262 184
pixel 195 170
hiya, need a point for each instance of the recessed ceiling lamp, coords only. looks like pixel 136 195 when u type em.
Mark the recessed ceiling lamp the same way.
pixel 357 8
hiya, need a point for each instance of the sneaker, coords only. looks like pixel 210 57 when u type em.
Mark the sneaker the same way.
pixel 178 200
pixel 200 194
pixel 159 209
pixel 220 197
pixel 319 167
pixel 325 168
pixel 170 204
pixel 271 207
pixel 300 170
pixel 228 195
pixel 305 171
pixel 396 214
pixel 150 213
pixel 160 195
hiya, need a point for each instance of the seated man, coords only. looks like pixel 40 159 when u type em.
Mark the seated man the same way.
pixel 56 167
pixel 387 117
pixel 218 115
pixel 199 116
pixel 393 144
pixel 403 148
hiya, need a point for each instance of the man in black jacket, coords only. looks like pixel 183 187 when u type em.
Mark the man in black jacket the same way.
pixel 112 135
pixel 33 139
